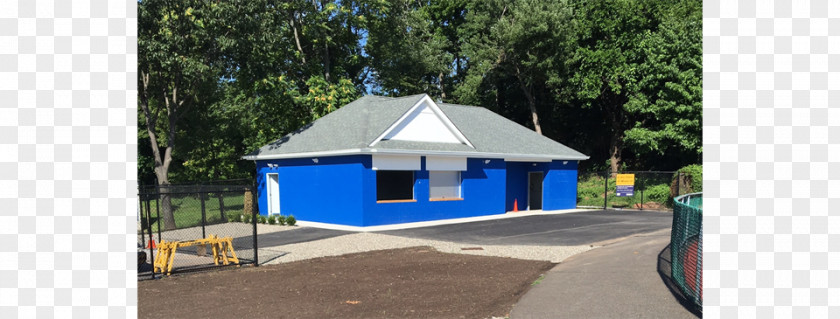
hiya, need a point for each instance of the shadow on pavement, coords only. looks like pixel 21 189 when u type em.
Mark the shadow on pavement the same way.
pixel 663 267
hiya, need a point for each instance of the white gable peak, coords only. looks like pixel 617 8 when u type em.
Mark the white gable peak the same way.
pixel 424 122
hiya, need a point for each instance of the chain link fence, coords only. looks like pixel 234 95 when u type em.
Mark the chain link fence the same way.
pixel 652 190
pixel 186 213
pixel 687 246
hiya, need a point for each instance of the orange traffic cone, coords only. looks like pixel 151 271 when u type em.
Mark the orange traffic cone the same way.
pixel 515 205
pixel 151 243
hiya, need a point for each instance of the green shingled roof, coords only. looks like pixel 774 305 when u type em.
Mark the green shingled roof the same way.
pixel 353 127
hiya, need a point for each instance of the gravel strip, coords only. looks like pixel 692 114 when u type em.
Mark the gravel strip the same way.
pixel 363 242
pixel 221 230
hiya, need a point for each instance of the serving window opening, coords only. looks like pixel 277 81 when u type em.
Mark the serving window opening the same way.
pixel 394 186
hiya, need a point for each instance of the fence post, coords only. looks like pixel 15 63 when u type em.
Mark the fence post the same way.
pixel 606 190
pixel 254 221
pixel 151 250
pixel 222 206
pixel 642 191
pixel 203 211
pixel 142 224
pixel 157 209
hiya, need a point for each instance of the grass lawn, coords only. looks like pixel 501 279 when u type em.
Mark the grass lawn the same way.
pixel 187 209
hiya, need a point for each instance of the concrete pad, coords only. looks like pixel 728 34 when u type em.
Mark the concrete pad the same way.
pixel 437 222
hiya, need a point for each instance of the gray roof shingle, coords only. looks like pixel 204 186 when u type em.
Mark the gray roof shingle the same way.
pixel 350 129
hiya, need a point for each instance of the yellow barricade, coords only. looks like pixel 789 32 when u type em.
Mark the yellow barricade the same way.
pixel 220 246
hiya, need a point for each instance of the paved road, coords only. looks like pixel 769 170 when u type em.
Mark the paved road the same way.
pixel 620 280
pixel 562 229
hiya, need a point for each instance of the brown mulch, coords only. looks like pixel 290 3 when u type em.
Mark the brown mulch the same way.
pixel 417 282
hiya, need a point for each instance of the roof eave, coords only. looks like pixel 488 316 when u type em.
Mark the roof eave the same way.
pixel 370 151
pixel 355 151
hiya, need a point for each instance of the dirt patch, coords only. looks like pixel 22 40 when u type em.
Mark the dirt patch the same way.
pixel 651 206
pixel 416 282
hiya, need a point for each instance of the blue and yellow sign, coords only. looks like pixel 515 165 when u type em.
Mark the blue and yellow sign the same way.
pixel 624 184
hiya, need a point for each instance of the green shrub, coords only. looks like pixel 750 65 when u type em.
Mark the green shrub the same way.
pixel 291 220
pixel 261 219
pixel 591 187
pixel 272 220
pixel 659 193
pixel 231 217
pixel 695 173
pixel 246 218
pixel 691 180
pixel 590 190
pixel 281 220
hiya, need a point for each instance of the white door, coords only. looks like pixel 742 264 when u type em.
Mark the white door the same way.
pixel 273 192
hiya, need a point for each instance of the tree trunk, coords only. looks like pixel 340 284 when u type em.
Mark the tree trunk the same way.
pixel 162 161
pixel 222 207
pixel 440 86
pixel 297 39
pixel 532 104
pixel 166 208
pixel 166 205
pixel 534 117
pixel 326 46
pixel 326 61
pixel 616 146
pixel 165 197
pixel 615 157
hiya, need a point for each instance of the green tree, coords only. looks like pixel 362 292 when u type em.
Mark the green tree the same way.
pixel 521 43
pixel 616 79
pixel 413 47
pixel 607 65
pixel 254 71
pixel 309 63
pixel 668 99
pixel 325 36
pixel 179 62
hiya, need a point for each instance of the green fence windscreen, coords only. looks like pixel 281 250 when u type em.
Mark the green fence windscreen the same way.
pixel 687 246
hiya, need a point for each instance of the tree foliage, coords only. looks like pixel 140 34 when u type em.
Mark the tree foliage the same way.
pixel 413 46
pixel 668 98
pixel 619 80
pixel 223 77
pixel 516 48
pixel 637 63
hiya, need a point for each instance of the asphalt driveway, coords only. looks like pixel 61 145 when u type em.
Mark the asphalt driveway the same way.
pixel 626 279
pixel 569 229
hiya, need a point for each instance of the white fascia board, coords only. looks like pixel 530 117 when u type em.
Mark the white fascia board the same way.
pixel 368 151
pixel 505 156
pixel 434 107
pixel 354 151
pixel 526 159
